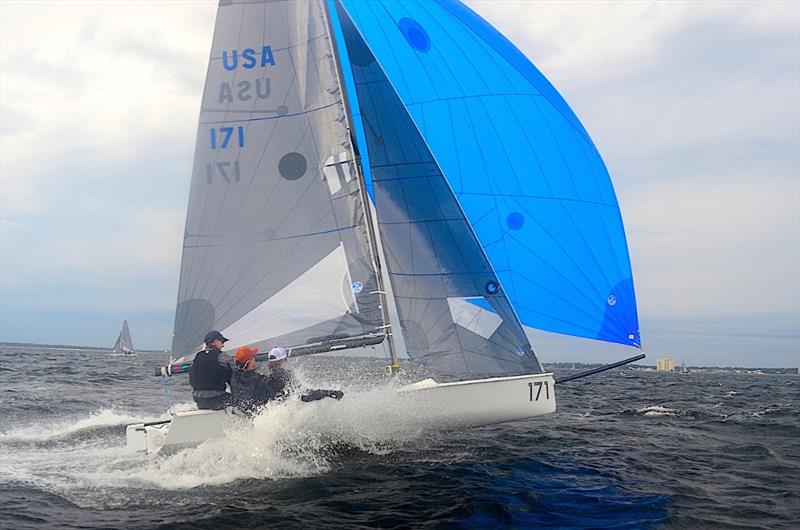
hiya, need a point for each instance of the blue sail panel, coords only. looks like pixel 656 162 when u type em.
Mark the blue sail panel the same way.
pixel 528 177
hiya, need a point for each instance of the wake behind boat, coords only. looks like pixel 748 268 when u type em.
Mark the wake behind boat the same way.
pixel 395 178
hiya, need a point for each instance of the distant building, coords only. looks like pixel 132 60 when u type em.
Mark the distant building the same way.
pixel 665 365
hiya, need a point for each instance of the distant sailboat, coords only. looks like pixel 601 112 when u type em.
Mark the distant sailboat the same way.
pixel 398 176
pixel 684 370
pixel 124 344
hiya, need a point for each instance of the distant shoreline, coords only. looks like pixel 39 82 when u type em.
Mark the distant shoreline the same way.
pixel 560 365
pixel 66 347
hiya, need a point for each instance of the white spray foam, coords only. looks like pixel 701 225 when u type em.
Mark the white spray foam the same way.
pixel 658 410
pixel 286 439
pixel 70 426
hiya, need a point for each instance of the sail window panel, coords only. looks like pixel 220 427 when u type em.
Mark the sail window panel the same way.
pixel 316 296
pixel 473 318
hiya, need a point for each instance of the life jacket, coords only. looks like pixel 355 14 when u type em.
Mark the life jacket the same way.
pixel 207 373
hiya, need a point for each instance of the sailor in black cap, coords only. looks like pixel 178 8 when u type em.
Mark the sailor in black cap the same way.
pixel 210 373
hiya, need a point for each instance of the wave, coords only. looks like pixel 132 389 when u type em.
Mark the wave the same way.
pixel 659 410
pixel 71 427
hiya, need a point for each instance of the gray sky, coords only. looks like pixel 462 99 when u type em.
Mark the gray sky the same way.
pixel 695 107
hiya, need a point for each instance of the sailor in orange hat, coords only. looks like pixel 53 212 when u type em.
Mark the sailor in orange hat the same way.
pixel 248 386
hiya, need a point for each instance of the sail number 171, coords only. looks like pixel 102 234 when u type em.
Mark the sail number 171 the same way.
pixel 539 384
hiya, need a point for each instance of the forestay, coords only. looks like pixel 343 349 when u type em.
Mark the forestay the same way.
pixel 276 249
pixel 525 171
pixel 455 317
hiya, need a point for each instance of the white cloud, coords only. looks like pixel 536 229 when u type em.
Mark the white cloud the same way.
pixel 94 78
pixel 695 107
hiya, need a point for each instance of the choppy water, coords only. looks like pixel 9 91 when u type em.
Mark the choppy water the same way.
pixel 632 450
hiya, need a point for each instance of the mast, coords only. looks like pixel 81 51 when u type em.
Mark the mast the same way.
pixel 368 211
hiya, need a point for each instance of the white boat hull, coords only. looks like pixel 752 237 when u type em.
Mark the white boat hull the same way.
pixel 422 406
pixel 481 401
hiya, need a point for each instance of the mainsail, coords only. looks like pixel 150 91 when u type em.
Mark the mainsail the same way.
pixel 276 249
pixel 124 343
pixel 525 171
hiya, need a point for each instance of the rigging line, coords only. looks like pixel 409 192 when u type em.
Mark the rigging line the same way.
pixel 283 49
pixel 370 214
pixel 284 238
pixel 537 197
pixel 264 118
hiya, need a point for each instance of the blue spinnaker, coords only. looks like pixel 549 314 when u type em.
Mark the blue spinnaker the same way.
pixel 527 175
pixel 454 314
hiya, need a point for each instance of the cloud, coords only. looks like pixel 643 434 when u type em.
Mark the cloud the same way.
pixel 694 106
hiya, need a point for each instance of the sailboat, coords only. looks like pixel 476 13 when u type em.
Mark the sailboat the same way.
pixel 124 344
pixel 393 178
pixel 684 369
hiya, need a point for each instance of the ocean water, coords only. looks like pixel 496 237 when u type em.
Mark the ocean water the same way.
pixel 625 450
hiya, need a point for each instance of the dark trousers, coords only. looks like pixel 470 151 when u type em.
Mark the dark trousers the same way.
pixel 214 403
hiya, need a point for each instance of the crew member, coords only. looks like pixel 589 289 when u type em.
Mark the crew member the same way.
pixel 281 380
pixel 209 373
pixel 248 386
